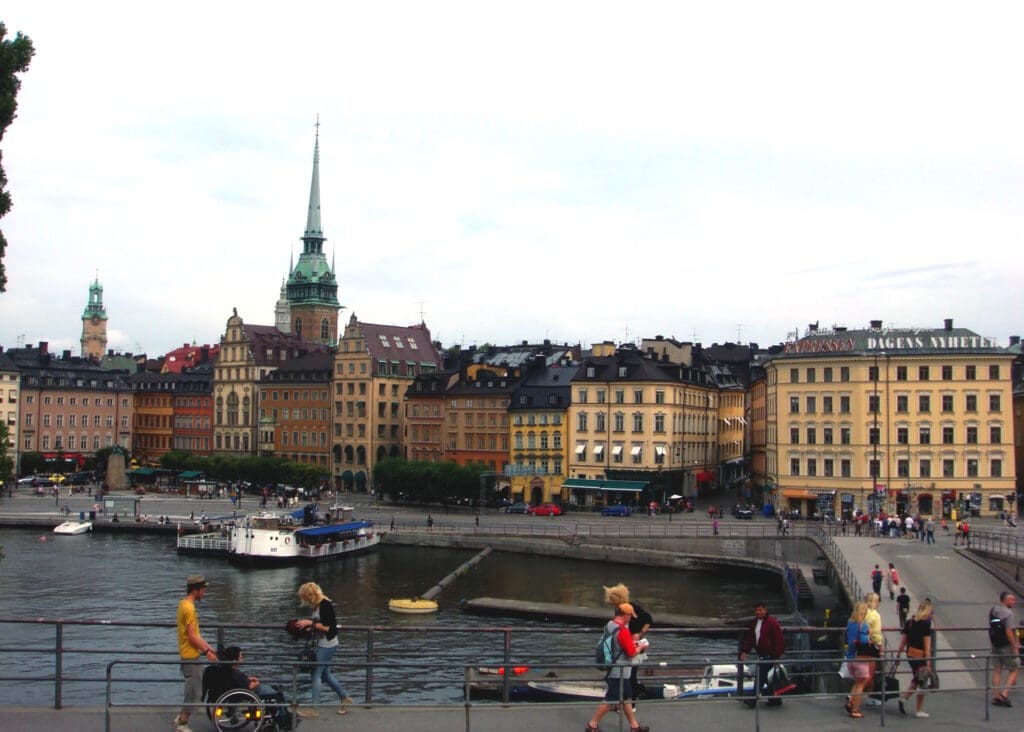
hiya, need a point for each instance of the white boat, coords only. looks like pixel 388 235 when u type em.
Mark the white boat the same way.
pixel 719 679
pixel 73 527
pixel 268 538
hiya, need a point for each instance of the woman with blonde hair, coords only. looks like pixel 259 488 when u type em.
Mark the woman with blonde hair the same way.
pixel 859 658
pixel 639 624
pixel 917 639
pixel 325 628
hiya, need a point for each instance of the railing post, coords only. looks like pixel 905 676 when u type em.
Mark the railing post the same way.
pixel 369 665
pixel 58 671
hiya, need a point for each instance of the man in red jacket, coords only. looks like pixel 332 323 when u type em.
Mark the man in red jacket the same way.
pixel 764 637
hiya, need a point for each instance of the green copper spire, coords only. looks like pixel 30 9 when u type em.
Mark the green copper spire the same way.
pixel 95 308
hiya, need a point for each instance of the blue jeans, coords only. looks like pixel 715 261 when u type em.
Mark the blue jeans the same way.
pixel 322 672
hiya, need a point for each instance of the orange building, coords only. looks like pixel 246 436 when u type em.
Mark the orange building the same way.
pixel 295 410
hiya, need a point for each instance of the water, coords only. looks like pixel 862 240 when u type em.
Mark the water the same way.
pixel 141 579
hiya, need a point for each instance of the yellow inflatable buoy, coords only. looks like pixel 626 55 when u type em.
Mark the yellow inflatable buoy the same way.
pixel 412 606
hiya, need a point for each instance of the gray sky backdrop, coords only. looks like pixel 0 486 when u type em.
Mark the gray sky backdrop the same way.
pixel 573 171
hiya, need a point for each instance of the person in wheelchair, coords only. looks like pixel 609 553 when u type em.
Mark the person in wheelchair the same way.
pixel 238 699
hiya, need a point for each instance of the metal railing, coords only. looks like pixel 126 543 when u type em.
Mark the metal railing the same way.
pixel 1005 543
pixel 846 574
pixel 563 528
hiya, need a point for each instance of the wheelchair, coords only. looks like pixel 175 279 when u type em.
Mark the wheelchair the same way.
pixel 243 710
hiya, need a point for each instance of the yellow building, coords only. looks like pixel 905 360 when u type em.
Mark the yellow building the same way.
pixel 539 435
pixel 895 420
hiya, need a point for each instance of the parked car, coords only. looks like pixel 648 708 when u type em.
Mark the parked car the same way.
pixel 744 512
pixel 27 480
pixel 617 510
pixel 57 478
pixel 546 509
pixel 518 507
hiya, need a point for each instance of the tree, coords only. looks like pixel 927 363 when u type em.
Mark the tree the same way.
pixel 14 59
pixel 6 461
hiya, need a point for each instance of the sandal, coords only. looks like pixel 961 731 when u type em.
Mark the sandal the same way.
pixel 591 728
pixel 856 714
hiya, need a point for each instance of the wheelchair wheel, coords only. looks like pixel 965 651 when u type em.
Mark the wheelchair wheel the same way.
pixel 238 710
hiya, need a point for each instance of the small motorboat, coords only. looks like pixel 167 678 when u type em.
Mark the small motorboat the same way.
pixel 73 527
pixel 719 680
pixel 412 605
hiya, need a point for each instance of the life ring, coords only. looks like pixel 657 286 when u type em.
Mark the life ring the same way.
pixel 287 540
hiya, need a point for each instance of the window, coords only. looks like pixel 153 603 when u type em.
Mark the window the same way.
pixel 873 468
pixel 970 373
pixel 972 467
pixel 794 405
pixel 794 466
pixel 659 423
pixel 844 405
pixel 827 467
pixel 619 422
pixel 600 396
pixel 902 468
pixel 638 422
pixel 971 402
pixel 617 454
pixel 995 434
pixel 947 435
pixel 993 403
pixel 582 396
pixel 812 405
pixel 993 372
pixel 922 373
pixel 947 402
pixel 924 403
pixel 901 373
pixel 581 421
pixel 826 405
pixel 844 468
pixel 636 453
pixel 947 373
pixel 872 373
pixel 659 396
pixel 873 436
pixel 947 468
pixel 924 435
pixel 874 403
pixel 620 396
pixel 812 467
pixel 794 435
pixel 810 375
pixel 638 396
pixel 924 468
pixel 902 403
pixel 902 435
pixel 972 435
pixel 844 373
pixel 995 468
pixel 826 435
pixel 827 373
pixel 794 376
pixel 812 435
pixel 844 435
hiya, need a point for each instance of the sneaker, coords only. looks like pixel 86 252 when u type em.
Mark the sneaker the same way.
pixel 180 726
pixel 921 715
pixel 872 702
pixel 308 714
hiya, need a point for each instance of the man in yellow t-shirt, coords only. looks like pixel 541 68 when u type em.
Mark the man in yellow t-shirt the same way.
pixel 191 648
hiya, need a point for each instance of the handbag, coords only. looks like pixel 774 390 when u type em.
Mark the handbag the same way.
pixel 844 670
pixel 308 652
pixel 915 652
pixel 868 650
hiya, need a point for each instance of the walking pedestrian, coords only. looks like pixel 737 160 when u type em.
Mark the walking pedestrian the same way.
pixel 191 649
pixel 714 526
pixel 876 580
pixel 930 531
pixel 917 640
pixel 430 522
pixel 763 636
pixel 638 627
pixel 1005 647
pixel 903 606
pixel 859 657
pixel 892 580
pixel 622 649
pixel 325 629
pixel 392 522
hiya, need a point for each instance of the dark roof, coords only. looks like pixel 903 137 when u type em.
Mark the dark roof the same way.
pixel 399 343
pixel 282 347
pixel 891 342
pixel 549 388
pixel 318 366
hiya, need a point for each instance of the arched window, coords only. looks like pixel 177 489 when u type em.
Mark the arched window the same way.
pixel 298 327
pixel 325 332
pixel 350 454
pixel 232 409
pixel 220 410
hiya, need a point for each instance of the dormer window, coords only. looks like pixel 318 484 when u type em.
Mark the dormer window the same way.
pixel 412 343
pixel 591 371
pixel 522 399
pixel 384 341
pixel 622 372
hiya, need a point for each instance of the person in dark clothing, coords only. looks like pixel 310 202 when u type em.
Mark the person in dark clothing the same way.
pixel 763 637
pixel 903 606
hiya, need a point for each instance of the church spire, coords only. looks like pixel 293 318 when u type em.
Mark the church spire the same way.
pixel 313 238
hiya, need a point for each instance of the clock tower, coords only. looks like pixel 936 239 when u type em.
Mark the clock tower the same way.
pixel 94 324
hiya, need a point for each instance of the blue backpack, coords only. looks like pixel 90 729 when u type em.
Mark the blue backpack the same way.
pixel 605 655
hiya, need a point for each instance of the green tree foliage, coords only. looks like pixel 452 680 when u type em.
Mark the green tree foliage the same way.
pixel 6 461
pixel 256 470
pixel 32 463
pixel 15 56
pixel 425 483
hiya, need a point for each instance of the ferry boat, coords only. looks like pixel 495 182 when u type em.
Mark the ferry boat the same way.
pixel 273 539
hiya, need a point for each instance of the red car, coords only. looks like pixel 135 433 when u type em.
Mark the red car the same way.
pixel 546 509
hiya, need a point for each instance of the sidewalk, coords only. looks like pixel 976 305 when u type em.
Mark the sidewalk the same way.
pixel 949 711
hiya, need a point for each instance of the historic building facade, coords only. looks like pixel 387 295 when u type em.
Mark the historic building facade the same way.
pixel 539 429
pixel 895 420
pixel 10 398
pixel 94 324
pixel 425 416
pixel 374 365
pixel 295 410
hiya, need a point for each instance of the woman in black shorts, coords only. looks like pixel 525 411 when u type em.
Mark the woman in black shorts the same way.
pixel 917 640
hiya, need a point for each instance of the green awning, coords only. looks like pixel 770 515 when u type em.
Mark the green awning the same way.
pixel 190 474
pixel 141 472
pixel 633 486
pixel 347 476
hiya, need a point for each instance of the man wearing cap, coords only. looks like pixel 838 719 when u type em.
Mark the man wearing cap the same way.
pixel 191 648
pixel 617 680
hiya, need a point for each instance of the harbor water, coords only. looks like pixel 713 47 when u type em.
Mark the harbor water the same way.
pixel 141 579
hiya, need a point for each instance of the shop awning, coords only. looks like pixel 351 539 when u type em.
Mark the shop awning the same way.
pixel 190 474
pixel 801 493
pixel 141 472
pixel 632 486
pixel 705 477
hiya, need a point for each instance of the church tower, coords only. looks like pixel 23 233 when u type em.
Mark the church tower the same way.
pixel 94 323
pixel 312 290
pixel 282 311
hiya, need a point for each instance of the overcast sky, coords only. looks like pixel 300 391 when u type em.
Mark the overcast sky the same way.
pixel 572 171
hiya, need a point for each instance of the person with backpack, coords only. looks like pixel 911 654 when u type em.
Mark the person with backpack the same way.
pixel 892 580
pixel 876 580
pixel 763 636
pixel 903 606
pixel 638 627
pixel 614 651
pixel 1005 647
pixel 917 640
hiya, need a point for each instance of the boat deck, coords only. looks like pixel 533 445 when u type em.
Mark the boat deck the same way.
pixel 213 544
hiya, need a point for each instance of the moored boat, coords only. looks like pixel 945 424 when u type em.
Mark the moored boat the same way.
pixel 73 527
pixel 719 680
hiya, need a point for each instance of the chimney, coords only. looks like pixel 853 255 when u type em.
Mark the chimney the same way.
pixel 44 347
pixel 66 355
pixel 876 325
pixel 948 322
pixel 1014 340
